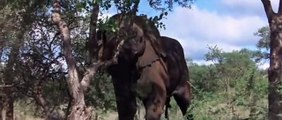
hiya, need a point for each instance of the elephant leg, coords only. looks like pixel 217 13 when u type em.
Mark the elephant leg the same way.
pixel 154 104
pixel 182 96
pixel 125 99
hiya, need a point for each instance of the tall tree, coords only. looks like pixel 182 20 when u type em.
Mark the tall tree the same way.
pixel 76 86
pixel 13 31
pixel 275 69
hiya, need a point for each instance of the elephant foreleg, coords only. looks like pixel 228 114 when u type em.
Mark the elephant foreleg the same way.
pixel 125 99
pixel 154 104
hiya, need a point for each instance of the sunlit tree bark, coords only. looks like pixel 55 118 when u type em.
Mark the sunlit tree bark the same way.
pixel 275 69
pixel 78 109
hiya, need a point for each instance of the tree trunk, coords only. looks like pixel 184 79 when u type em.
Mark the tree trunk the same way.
pixel 78 111
pixel 92 42
pixel 76 87
pixel 9 76
pixel 1 107
pixel 40 100
pixel 275 68
pixel 9 104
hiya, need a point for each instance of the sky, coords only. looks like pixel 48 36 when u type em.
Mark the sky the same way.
pixel 228 24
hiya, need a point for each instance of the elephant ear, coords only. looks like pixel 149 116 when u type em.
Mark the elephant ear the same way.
pixel 139 37
pixel 156 44
pixel 133 35
pixel 151 32
pixel 141 46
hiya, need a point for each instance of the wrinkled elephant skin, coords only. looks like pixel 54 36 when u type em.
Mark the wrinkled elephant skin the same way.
pixel 149 66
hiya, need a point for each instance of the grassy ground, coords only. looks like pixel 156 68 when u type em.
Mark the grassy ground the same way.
pixel 206 106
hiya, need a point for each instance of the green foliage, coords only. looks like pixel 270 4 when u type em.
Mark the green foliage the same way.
pixel 157 20
pixel 263 43
pixel 264 34
pixel 105 4
pixel 231 88
pixel 101 93
pixel 107 25
pixel 164 5
pixel 202 77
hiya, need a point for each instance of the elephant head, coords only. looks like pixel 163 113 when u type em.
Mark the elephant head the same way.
pixel 127 42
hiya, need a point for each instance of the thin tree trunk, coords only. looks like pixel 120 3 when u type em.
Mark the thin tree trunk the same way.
pixel 1 107
pixel 40 100
pixel 92 42
pixel 9 76
pixel 78 108
pixel 78 111
pixel 275 68
pixel 9 104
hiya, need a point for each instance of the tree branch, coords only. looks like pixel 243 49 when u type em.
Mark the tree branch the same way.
pixel 135 6
pixel 280 7
pixel 92 48
pixel 6 86
pixel 268 9
pixel 73 82
pixel 114 60
pixel 90 72
pixel 92 42
pixel 40 99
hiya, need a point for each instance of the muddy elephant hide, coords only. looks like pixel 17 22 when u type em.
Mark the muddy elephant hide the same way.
pixel 135 31
pixel 162 77
pixel 132 31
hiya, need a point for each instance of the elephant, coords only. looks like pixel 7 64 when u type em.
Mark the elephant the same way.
pixel 163 77
pixel 149 66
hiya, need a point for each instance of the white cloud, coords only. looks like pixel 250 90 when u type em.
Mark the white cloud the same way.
pixel 264 65
pixel 196 28
pixel 252 5
pixel 245 7
pixel 229 24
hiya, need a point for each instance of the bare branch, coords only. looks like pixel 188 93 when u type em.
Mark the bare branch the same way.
pixel 280 7
pixel 6 86
pixel 135 6
pixel 90 72
pixel 73 82
pixel 114 60
pixel 40 99
pixel 92 48
pixel 268 9
pixel 92 42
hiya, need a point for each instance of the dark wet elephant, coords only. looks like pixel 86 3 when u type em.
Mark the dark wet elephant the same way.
pixel 162 77
pixel 129 75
